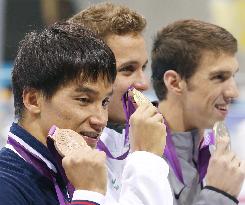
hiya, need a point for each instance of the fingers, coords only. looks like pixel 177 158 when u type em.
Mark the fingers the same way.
pixel 147 110
pixel 222 145
pixel 231 156
pixel 157 118
pixel 242 166
pixel 236 162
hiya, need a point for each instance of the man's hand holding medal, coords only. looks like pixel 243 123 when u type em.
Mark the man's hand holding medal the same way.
pixel 85 167
pixel 147 131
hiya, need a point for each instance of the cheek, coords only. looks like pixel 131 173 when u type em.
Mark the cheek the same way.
pixel 213 95
pixel 121 86
pixel 73 117
pixel 67 110
pixel 210 92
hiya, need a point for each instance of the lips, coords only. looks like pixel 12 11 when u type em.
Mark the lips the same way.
pixel 222 108
pixel 91 138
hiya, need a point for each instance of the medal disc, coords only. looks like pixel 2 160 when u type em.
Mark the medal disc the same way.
pixel 66 140
pixel 220 129
pixel 139 98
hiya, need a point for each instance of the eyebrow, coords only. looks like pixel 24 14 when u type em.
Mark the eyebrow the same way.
pixel 132 62
pixel 222 72
pixel 91 91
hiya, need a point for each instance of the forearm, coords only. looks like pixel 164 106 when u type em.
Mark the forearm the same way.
pixel 84 197
pixel 210 195
pixel 144 180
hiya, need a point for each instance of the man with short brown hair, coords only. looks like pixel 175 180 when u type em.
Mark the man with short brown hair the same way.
pixel 193 69
pixel 122 29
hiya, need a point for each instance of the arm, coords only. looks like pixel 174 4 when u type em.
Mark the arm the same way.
pixel 83 197
pixel 144 180
pixel 85 168
pixel 10 195
pixel 211 195
pixel 225 176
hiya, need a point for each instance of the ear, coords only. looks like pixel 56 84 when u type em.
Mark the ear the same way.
pixel 32 100
pixel 174 82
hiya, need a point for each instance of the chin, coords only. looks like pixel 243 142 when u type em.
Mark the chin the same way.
pixel 93 146
pixel 210 125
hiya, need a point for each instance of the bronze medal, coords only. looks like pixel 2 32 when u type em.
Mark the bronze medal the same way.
pixel 139 98
pixel 66 140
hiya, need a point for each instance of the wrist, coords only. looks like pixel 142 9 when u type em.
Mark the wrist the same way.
pixel 92 189
pixel 231 197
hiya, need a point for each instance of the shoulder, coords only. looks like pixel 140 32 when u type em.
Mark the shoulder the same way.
pixel 14 171
pixel 10 194
pixel 10 161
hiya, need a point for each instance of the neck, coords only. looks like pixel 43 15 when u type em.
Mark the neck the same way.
pixel 173 112
pixel 32 126
pixel 117 126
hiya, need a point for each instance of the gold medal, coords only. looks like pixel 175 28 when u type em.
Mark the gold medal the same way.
pixel 66 140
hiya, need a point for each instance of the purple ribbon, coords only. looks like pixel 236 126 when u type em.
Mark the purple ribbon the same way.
pixel 101 146
pixel 171 156
pixel 128 110
pixel 58 159
pixel 40 166
pixel 169 150
pixel 204 154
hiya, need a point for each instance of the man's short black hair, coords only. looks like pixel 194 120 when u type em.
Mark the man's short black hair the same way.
pixel 54 57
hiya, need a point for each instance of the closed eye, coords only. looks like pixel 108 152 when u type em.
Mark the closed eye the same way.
pixel 221 77
pixel 84 100
pixel 127 69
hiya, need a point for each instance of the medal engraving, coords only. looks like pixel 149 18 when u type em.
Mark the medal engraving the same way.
pixel 66 140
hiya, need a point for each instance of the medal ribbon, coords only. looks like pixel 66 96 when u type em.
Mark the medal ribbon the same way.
pixel 169 151
pixel 39 164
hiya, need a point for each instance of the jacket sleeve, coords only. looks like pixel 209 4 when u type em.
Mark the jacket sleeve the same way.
pixel 144 180
pixel 10 195
pixel 210 195
pixel 84 197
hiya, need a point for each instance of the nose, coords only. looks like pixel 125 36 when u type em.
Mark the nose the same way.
pixel 231 91
pixel 141 82
pixel 99 118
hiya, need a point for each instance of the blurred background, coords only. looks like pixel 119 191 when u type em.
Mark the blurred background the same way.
pixel 18 17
